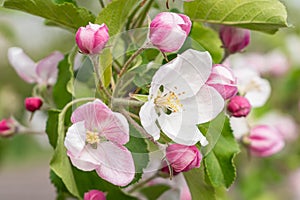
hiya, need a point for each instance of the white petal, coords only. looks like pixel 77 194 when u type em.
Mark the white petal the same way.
pixel 239 126
pixel 75 138
pixel 260 94
pixel 23 65
pixel 47 70
pixel 204 107
pixel 185 74
pixel 116 165
pixel 86 161
pixel 175 128
pixel 148 118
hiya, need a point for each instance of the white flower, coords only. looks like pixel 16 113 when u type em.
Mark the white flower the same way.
pixel 256 89
pixel 179 99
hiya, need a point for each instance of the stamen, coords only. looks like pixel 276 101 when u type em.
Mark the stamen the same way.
pixel 169 100
pixel 92 138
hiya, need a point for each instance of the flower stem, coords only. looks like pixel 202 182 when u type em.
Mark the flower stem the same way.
pixel 141 184
pixel 126 65
pixel 136 125
pixel 95 62
pixel 102 4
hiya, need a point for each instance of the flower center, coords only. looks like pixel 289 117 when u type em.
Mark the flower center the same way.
pixel 92 138
pixel 169 101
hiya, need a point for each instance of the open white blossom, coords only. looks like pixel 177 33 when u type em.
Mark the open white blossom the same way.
pixel 179 99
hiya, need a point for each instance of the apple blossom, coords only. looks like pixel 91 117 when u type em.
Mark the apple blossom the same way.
pixel 223 80
pixel 33 103
pixel 179 99
pixel 168 31
pixel 234 39
pixel 240 127
pixel 239 106
pixel 95 142
pixel 92 38
pixel 254 88
pixel 182 158
pixel 43 72
pixel 264 141
pixel 94 195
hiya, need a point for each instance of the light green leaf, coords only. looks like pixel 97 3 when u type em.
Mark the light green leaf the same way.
pixel 261 15
pixel 140 97
pixel 66 14
pixel 105 68
pixel 209 40
pixel 116 14
pixel 219 165
pixel 139 150
pixel 198 188
pixel 60 163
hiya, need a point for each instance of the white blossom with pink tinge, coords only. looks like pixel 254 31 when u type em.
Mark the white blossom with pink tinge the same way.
pixel 95 142
pixel 254 88
pixel 43 72
pixel 179 99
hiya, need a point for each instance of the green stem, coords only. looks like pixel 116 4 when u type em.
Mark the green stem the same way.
pixel 136 125
pixel 143 15
pixel 126 65
pixel 102 3
pixel 95 62
pixel 141 184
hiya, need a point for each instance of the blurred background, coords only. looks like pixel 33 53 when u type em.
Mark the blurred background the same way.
pixel 24 159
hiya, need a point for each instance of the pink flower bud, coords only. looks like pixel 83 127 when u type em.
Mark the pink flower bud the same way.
pixel 223 80
pixel 234 39
pixel 239 106
pixel 7 127
pixel 168 31
pixel 183 158
pixel 94 195
pixel 265 141
pixel 92 38
pixel 33 103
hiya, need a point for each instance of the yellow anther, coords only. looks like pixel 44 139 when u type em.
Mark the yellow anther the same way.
pixel 169 100
pixel 92 137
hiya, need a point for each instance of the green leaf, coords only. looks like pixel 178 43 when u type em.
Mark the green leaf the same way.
pixel 219 165
pixel 51 127
pixel 64 1
pixel 116 14
pixel 105 61
pixel 62 90
pixel 61 189
pixel 140 97
pixel 66 14
pixel 198 187
pixel 92 181
pixel 209 40
pixel 153 192
pixel 261 15
pixel 139 150
pixel 60 163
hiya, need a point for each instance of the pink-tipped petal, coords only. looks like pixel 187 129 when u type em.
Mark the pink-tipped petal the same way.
pixel 93 113
pixel 117 164
pixel 47 68
pixel 23 65
pixel 116 129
